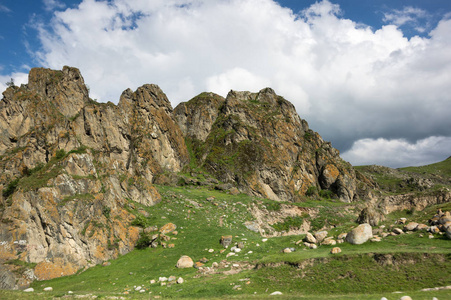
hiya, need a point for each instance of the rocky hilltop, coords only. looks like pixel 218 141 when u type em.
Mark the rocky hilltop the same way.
pixel 72 168
pixel 257 142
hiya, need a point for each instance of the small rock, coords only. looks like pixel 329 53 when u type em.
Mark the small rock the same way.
pixel 29 290
pixel 198 265
pixel 138 288
pixel 335 250
pixel 48 289
pixel 383 298
pixel 214 265
pixel 167 228
pixel 211 250
pixel 152 281
pixel 401 221
pixel 287 250
pixel 276 293
pixel 376 239
pixel 240 245
pixel 180 280
pixel 431 236
pixel 185 262
pixel 342 236
pixel 421 227
pixel 226 240
pixel 264 240
pixel 172 278
pixel 320 236
pixel 230 254
pixel 309 238
pixel 397 231
pixel 162 279
pixel 70 292
pixel 405 298
pixel 410 226
pixel 329 241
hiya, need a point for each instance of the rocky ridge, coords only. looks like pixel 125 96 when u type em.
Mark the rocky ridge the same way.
pixel 71 169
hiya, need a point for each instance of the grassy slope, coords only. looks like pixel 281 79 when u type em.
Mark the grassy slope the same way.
pixel 353 274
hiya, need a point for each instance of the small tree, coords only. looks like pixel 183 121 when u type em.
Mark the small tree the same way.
pixel 10 83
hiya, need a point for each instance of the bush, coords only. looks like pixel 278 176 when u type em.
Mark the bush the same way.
pixel 140 221
pixel 60 154
pixel 10 188
pixel 325 194
pixel 311 191
pixel 144 241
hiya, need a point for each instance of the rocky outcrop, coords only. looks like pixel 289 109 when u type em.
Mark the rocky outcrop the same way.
pixel 258 142
pixel 71 169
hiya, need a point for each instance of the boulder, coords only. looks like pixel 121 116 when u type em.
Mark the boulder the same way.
pixel 405 298
pixel 329 241
pixel 320 236
pixel 411 226
pixel 397 231
pixel 167 228
pixel 335 250
pixel 309 238
pixel 185 262
pixel 360 234
pixel 421 227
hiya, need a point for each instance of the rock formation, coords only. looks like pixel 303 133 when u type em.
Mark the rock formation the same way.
pixel 258 142
pixel 71 169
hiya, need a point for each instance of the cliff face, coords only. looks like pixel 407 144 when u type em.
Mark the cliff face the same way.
pixel 71 169
pixel 258 142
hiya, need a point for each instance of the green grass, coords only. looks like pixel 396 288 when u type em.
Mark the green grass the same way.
pixel 440 168
pixel 352 274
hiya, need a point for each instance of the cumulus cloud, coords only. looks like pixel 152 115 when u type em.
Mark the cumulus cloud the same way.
pixel 347 80
pixel 18 78
pixel 398 152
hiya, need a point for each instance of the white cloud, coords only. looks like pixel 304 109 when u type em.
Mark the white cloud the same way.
pixel 50 5
pixel 398 152
pixel 417 18
pixel 3 8
pixel 348 81
pixel 18 78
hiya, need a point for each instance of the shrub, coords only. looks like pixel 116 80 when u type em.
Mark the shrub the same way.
pixel 311 191
pixel 60 154
pixel 10 188
pixel 144 241
pixel 140 221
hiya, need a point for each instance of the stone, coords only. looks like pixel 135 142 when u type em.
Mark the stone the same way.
pixel 320 236
pixel 329 241
pixel 411 226
pixel 397 231
pixel 167 228
pixel 180 280
pixel 287 250
pixel 276 293
pixel 421 227
pixel 214 265
pixel 234 191
pixel 342 236
pixel 226 240
pixel 309 238
pixel 405 298
pixel 376 239
pixel 383 298
pixel 185 262
pixel 360 234
pixel 172 278
pixel 240 245
pixel 162 279
pixel 29 290
pixel 434 229
pixel 402 221
pixel 335 250
pixel 48 289
pixel 448 232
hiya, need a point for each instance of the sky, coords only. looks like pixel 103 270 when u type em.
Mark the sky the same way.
pixel 372 77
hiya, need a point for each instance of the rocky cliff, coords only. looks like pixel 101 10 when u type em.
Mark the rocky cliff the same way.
pixel 258 142
pixel 71 169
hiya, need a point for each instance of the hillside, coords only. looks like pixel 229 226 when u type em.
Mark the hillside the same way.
pixel 101 199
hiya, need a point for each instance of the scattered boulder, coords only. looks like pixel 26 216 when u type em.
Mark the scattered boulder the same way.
pixel 329 241
pixel 226 240
pixel 342 236
pixel 180 280
pixel 397 231
pixel 29 290
pixel 360 234
pixel 405 298
pixel 309 238
pixel 335 250
pixel 320 236
pixel 421 227
pixel 448 232
pixel 185 262
pixel 48 289
pixel 411 226
pixel 167 228
pixel 402 221
pixel 287 250
pixel 310 245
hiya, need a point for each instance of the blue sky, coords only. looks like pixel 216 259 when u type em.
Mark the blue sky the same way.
pixel 373 77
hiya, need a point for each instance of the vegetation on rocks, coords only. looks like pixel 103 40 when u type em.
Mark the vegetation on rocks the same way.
pixel 103 200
